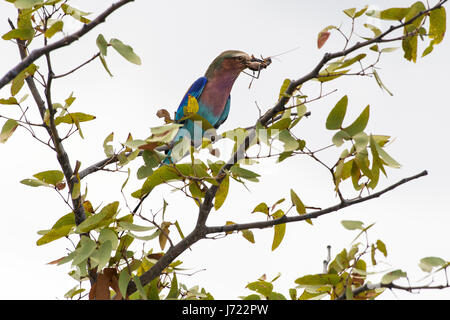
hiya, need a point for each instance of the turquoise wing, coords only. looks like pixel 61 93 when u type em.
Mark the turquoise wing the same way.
pixel 224 114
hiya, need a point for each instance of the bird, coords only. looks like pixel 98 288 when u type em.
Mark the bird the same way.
pixel 212 92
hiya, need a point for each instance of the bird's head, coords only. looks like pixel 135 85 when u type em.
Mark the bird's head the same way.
pixel 235 61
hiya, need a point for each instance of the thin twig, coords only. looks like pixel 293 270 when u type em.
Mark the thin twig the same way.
pixel 37 53
pixel 80 66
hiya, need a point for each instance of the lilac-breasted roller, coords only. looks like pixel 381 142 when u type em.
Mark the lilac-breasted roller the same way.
pixel 212 92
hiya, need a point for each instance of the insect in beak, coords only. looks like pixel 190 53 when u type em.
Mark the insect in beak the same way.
pixel 256 65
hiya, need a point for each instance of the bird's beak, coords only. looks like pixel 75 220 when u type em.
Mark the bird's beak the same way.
pixel 256 64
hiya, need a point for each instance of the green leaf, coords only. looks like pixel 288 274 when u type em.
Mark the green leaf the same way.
pixel 125 51
pixel 361 141
pixel 165 174
pixel 356 176
pixel 103 61
pixel 84 251
pixel 124 243
pixel 164 133
pixel 8 129
pixel 392 276
pixel 174 292
pixel 27 4
pixel 297 203
pixel 279 230
pixel 318 280
pixel 124 279
pixel 107 148
pixel 134 144
pixel 359 124
pixel 339 137
pixel 67 258
pixel 54 234
pixel 102 44
pixel 289 142
pixel 351 61
pixel 100 257
pixel 337 114
pixel 75 13
pixel 50 2
pixel 134 227
pixel 414 10
pixel 73 292
pixel 437 25
pixel 376 31
pixel 74 118
pixel 389 14
pixel 380 84
pixel 350 12
pixel 427 264
pixel 306 295
pixel 9 101
pixel 284 156
pixel 96 220
pixel 54 28
pixel 18 81
pixel 325 76
pixel 21 34
pixel 181 148
pixel 262 207
pixel 108 235
pixel 360 12
pixel 153 292
pixel 76 192
pixel 50 177
pixel 293 293
pixel 146 238
pixel 222 193
pixel 263 287
pixel 409 45
pixel 152 158
pixel 299 206
pixel 428 49
pixel 244 173
pixel 384 155
pixel 281 124
pixel 382 247
pixel 352 225
pixel 252 297
pixel 34 183
pixel 65 220
pixel 180 232
pixel 247 234
pixel 283 88
pixel 390 49
pixel 276 296
pixel 362 161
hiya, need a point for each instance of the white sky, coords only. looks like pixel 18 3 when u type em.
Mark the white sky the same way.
pixel 176 41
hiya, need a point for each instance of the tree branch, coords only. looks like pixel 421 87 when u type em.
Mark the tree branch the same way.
pixel 330 56
pixel 201 230
pixel 370 286
pixel 37 53
pixel 312 215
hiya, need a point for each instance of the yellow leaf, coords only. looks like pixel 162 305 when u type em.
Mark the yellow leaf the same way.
pixel 192 105
pixel 280 230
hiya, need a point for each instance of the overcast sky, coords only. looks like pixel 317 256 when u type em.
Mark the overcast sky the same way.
pixel 176 41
